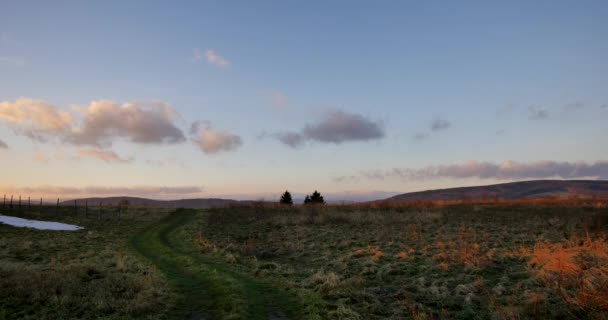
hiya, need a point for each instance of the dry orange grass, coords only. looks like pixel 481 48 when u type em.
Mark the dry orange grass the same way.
pixel 372 251
pixel 576 269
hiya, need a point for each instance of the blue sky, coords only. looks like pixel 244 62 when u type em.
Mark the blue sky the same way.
pixel 524 82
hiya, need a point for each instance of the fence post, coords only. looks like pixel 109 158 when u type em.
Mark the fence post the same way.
pixel 57 207
pixel 11 205
pixel 86 208
pixel 19 202
pixel 99 213
pixel 75 208
pixel 41 202
pixel 4 202
pixel 29 203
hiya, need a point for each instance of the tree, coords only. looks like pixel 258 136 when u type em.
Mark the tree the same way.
pixel 286 198
pixel 315 198
pixel 307 199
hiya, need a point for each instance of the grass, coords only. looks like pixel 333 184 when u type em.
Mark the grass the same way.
pixel 477 260
pixel 86 274
pixel 464 261
pixel 206 287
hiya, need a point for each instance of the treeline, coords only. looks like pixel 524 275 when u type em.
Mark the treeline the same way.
pixel 314 198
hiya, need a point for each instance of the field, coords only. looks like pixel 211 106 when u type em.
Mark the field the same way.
pixel 486 260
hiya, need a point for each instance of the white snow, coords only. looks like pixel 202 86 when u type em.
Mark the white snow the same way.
pixel 37 224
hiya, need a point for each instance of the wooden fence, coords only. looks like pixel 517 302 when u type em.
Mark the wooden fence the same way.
pixel 16 204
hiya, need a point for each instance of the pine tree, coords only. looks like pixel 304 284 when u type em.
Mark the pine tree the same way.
pixel 315 198
pixel 286 198
pixel 307 199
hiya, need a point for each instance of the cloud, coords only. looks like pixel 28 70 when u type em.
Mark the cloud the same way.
pixel 197 55
pixel 211 141
pixel 3 145
pixel 158 192
pixel 604 106
pixel 277 99
pixel 291 139
pixel 13 61
pixel 150 123
pixel 215 59
pixel 505 110
pixel 35 119
pixel 536 113
pixel 439 124
pixel 106 156
pixel 335 127
pixel 338 126
pixel 508 170
pixel 420 136
pixel 577 105
pixel 97 125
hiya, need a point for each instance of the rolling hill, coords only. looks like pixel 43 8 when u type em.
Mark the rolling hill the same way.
pixel 512 190
pixel 182 203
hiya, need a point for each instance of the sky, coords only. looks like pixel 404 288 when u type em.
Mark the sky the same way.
pixel 245 99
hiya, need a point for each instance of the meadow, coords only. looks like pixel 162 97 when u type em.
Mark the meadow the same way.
pixel 461 260
pixel 512 260
pixel 85 274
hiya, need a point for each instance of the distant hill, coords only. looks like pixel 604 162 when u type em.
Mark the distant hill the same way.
pixel 512 190
pixel 182 203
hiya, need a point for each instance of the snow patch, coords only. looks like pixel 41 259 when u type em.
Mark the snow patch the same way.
pixel 37 224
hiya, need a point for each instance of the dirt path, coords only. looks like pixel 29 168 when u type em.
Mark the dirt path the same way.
pixel 208 289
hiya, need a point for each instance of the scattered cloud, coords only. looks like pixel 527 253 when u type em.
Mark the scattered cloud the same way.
pixel 156 192
pixel 3 145
pixel 420 136
pixel 501 132
pixel 35 119
pixel 42 157
pixel 96 125
pixel 439 124
pixel 505 110
pixel 339 126
pixel 13 61
pixel 335 127
pixel 143 123
pixel 292 139
pixel 536 113
pixel 577 105
pixel 103 155
pixel 215 59
pixel 211 141
pixel 508 170
pixel 604 106
pixel 197 55
pixel 276 99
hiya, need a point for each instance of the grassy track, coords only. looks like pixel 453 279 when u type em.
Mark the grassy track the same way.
pixel 206 288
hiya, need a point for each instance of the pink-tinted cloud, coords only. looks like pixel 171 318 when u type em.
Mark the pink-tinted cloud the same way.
pixel 508 170
pixel 215 59
pixel 103 155
pixel 156 192
pixel 211 141
pixel 36 119
pixel 98 124
pixel 143 123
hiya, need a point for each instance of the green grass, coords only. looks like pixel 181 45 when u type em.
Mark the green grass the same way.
pixel 86 274
pixel 459 261
pixel 438 262
pixel 206 288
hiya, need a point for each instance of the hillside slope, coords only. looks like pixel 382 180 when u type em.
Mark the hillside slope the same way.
pixel 512 190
